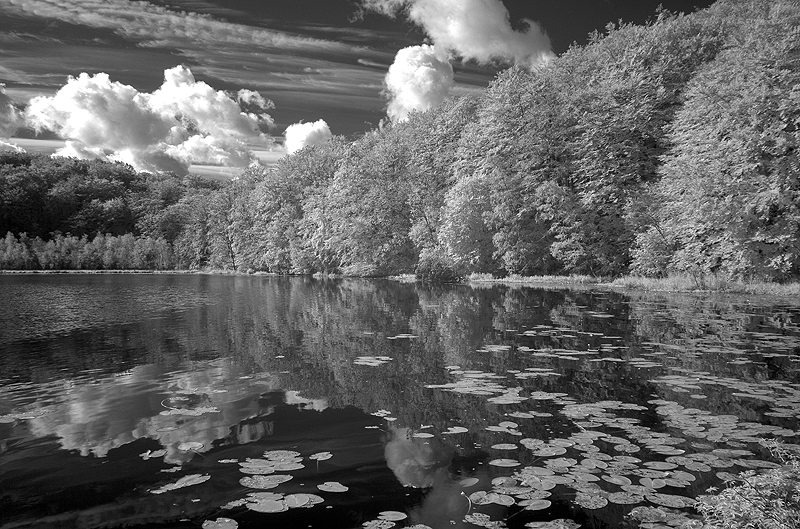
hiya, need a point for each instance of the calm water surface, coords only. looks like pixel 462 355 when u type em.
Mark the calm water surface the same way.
pixel 178 401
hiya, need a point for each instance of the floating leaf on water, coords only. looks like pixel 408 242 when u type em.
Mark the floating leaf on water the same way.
pixel 534 495
pixel 660 465
pixel 535 505
pixel 422 435
pixel 616 480
pixel 281 455
pixel 185 481
pixel 590 501
pixel 261 496
pixel 504 462
pixel 226 461
pixel 257 466
pixel 288 467
pixel 234 503
pixel 480 497
pixel 320 456
pixel 190 445
pixel 560 523
pixel 500 499
pixel 653 483
pixel 670 500
pixel 508 424
pixel 378 524
pixel 641 490
pixel 456 429
pixel 647 514
pixel 549 451
pixel 264 482
pixel 268 506
pixel 505 446
pixel 332 486
pixel 152 455
pixel 625 498
pixel 220 523
pixel 561 462
pixel 392 516
pixel 313 499
pixel 504 481
pixel 480 519
pixel 296 500
pixel 468 482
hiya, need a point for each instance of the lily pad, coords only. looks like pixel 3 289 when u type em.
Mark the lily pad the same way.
pixel 535 505
pixel 268 506
pixel 392 516
pixel 455 429
pixel 185 481
pixel 264 482
pixel 220 523
pixel 504 463
pixel 332 486
pixel 590 501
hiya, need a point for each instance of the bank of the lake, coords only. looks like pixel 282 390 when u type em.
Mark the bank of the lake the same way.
pixel 673 283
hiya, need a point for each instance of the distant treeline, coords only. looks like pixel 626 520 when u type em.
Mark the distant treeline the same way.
pixel 653 149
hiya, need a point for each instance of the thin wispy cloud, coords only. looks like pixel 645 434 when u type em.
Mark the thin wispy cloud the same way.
pixel 156 26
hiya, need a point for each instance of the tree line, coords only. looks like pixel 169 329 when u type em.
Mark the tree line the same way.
pixel 657 148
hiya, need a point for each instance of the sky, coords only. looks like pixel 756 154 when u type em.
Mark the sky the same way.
pixel 173 84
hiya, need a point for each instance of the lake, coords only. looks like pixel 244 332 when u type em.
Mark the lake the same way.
pixel 252 401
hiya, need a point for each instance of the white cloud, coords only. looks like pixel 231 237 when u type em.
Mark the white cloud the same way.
pixel 301 135
pixel 181 123
pixel 10 118
pixel 5 146
pixel 420 78
pixel 474 29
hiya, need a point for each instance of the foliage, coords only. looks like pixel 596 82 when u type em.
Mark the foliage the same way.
pixel 770 500
pixel 69 252
pixel 729 194
pixel 434 266
pixel 670 147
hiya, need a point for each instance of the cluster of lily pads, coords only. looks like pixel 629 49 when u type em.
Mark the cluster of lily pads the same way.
pixel 632 464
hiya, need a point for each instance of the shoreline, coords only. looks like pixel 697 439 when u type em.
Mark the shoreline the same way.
pixel 679 283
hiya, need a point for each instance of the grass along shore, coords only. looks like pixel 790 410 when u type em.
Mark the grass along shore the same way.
pixel 672 283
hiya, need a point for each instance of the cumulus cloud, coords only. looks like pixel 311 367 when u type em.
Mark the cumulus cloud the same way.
pixel 301 135
pixel 182 122
pixel 474 29
pixel 10 118
pixel 419 79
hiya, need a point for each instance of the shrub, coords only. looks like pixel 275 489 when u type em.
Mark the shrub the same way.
pixel 433 266
pixel 770 500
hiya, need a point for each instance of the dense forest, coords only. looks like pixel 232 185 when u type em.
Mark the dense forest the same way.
pixel 669 147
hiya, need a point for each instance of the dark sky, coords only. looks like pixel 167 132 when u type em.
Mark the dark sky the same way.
pixel 315 59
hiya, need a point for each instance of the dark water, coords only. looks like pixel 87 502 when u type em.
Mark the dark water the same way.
pixel 148 401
